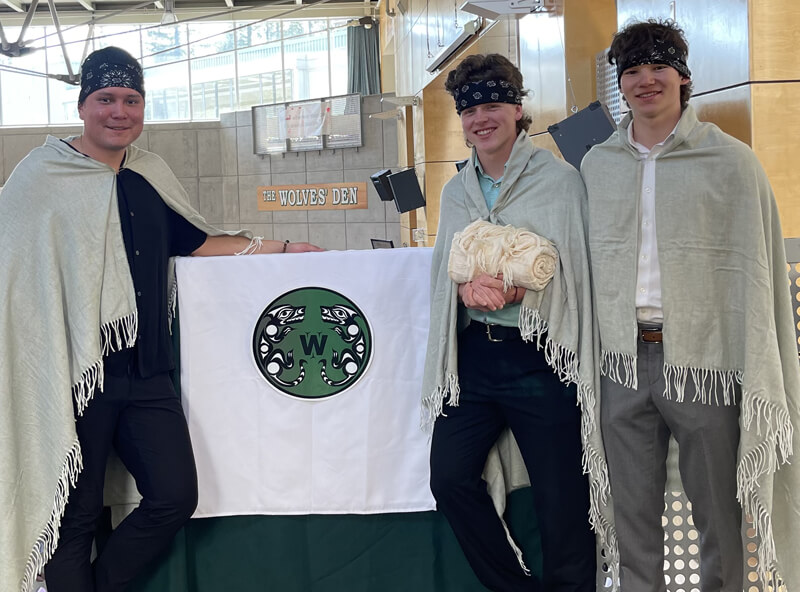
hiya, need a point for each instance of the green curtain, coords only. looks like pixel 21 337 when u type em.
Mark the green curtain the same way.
pixel 331 553
pixel 363 61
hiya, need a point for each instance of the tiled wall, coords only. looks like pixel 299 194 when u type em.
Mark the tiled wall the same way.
pixel 216 164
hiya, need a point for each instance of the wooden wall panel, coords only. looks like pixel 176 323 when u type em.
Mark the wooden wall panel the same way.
pixel 773 39
pixel 775 133
pixel 588 27
pixel 729 109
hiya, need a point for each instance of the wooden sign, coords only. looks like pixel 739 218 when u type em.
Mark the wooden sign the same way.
pixel 324 196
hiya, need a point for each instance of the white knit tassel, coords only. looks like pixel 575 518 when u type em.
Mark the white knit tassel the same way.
pixel 595 466
pixel 253 247
pixel 587 402
pixel 88 383
pixel 172 303
pixel 119 333
pixel 610 363
pixel 47 541
pixel 531 324
pixel 775 425
pixel 433 405
pixel 515 548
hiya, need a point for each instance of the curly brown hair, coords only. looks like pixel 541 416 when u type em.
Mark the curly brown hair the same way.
pixel 634 36
pixel 491 66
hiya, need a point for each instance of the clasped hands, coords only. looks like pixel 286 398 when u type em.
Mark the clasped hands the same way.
pixel 485 293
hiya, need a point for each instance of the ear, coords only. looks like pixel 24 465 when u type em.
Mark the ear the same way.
pixel 80 110
pixel 518 112
pixel 685 80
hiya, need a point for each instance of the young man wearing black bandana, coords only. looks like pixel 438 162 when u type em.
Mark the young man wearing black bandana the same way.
pixel 88 227
pixel 490 366
pixel 695 325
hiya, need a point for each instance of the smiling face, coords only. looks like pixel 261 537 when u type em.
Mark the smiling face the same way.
pixel 113 118
pixel 492 129
pixel 653 91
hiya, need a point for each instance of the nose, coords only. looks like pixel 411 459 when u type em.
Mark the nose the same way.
pixel 118 109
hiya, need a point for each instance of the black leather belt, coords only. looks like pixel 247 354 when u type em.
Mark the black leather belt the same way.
pixel 497 332
pixel 650 334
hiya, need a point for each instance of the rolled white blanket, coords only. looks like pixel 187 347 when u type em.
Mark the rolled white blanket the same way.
pixel 525 259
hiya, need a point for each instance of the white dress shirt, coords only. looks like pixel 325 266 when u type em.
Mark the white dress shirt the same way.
pixel 648 277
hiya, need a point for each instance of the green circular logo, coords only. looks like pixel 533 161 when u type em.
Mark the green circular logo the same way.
pixel 312 343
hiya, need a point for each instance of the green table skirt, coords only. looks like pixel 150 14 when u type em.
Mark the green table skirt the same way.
pixel 336 553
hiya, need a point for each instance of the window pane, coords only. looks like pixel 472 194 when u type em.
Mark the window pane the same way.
pixel 318 25
pixel 306 58
pixel 294 28
pixel 63 102
pixel 339 69
pixel 124 36
pixel 24 96
pixel 258 33
pixel 167 92
pixel 64 96
pixel 210 38
pixel 163 44
pixel 75 41
pixel 212 86
pixel 260 75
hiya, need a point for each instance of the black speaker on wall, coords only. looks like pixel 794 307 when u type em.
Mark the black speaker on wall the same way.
pixel 381 183
pixel 406 191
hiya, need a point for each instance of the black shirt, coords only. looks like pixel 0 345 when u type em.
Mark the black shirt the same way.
pixel 153 233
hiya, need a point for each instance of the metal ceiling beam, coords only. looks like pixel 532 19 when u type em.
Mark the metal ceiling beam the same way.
pixel 229 3
pixel 87 5
pixel 14 5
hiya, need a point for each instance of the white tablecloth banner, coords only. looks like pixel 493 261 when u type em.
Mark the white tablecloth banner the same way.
pixel 260 451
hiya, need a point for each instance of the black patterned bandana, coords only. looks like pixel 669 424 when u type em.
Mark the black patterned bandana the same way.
pixel 486 91
pixel 661 52
pixel 110 66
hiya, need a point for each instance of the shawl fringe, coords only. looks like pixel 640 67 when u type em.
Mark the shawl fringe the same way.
pixel 515 547
pixel 88 383
pixel 114 335
pixel 47 541
pixel 610 363
pixel 707 382
pixel 564 363
pixel 433 404
pixel 775 449
pixel 253 247
pixel 119 333
pixel 172 303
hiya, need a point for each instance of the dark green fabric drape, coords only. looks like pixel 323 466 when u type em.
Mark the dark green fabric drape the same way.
pixel 333 553
pixel 363 60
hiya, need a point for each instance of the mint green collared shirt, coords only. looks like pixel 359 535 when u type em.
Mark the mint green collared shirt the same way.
pixel 509 314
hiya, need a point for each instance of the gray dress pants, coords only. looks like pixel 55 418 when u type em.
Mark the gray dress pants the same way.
pixel 636 427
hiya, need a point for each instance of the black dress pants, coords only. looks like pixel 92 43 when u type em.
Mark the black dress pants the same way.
pixel 509 384
pixel 143 420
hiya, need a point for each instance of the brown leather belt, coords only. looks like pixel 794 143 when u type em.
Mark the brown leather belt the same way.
pixel 650 334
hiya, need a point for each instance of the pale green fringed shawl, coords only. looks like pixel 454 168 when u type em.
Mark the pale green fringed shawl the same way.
pixel 545 196
pixel 66 299
pixel 726 301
